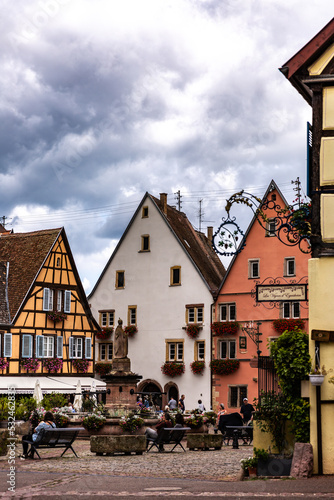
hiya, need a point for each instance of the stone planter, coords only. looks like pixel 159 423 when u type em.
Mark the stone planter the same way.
pixel 110 445
pixel 204 441
pixel 112 428
pixel 276 465
pixel 203 429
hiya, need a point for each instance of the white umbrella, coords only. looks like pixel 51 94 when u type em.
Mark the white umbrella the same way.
pixel 78 397
pixel 93 391
pixel 38 396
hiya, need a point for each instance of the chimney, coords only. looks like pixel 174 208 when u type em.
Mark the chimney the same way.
pixel 163 201
pixel 210 233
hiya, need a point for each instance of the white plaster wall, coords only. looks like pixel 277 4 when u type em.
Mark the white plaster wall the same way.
pixel 160 307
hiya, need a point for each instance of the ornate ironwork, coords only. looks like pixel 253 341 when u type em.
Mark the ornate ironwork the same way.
pixel 253 331
pixel 278 281
pixel 230 233
pixel 290 224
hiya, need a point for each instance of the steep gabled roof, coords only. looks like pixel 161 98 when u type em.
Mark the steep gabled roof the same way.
pixel 25 254
pixel 296 68
pixel 195 244
pixel 4 309
pixel 272 187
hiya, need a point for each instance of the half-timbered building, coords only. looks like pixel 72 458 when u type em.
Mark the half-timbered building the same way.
pixel 46 326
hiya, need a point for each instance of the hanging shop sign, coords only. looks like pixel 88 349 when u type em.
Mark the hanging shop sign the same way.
pixel 281 293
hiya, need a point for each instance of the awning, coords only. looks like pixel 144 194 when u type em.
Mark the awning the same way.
pixel 64 385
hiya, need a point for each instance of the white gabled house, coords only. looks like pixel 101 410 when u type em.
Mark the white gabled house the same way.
pixel 162 276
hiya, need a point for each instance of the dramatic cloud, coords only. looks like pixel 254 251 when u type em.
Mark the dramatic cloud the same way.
pixel 102 101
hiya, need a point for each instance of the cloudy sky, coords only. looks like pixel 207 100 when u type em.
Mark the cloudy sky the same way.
pixel 104 100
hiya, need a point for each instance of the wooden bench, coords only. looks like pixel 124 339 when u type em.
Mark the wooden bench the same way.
pixel 54 438
pixel 169 435
pixel 244 432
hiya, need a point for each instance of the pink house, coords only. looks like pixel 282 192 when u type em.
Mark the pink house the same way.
pixel 263 259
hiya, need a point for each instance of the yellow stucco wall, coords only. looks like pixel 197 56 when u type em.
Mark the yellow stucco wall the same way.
pixel 321 293
pixel 328 111
pixel 318 66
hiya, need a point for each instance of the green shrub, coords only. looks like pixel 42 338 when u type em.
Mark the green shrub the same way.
pixel 53 400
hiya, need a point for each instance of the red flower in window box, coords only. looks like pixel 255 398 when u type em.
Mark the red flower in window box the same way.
pixel 131 330
pixel 197 367
pixel 81 365
pixel 193 330
pixel 3 363
pixel 220 328
pixel 224 366
pixel 281 325
pixel 104 333
pixel 172 368
pixel 103 368
pixel 57 316
pixel 30 364
pixel 54 365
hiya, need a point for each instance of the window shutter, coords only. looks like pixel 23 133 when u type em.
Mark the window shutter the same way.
pixel 59 347
pixel 88 353
pixel 46 298
pixel 39 346
pixel 67 301
pixel 59 301
pixel 26 346
pixel 70 345
pixel 7 345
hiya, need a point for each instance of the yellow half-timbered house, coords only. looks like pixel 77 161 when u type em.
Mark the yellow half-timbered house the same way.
pixel 46 326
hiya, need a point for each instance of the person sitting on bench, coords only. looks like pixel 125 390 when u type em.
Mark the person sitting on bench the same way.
pixel 48 423
pixel 152 434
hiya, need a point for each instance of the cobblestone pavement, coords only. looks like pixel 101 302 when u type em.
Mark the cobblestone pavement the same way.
pixel 221 465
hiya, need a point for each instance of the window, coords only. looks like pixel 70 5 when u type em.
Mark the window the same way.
pixel 144 212
pixel 254 268
pixel 290 310
pixel 271 227
pixel 175 275
pixel 227 349
pixel 174 351
pixel 194 313
pixel 228 312
pixel 59 347
pixel 199 350
pixel 120 279
pixel 107 318
pixel 44 346
pixel 75 347
pixel 289 266
pixel 88 348
pixel 55 301
pixel 132 315
pixel 106 352
pixel 58 262
pixel 145 243
pixel 236 394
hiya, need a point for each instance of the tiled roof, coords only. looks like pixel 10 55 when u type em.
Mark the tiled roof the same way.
pixel 25 253
pixel 4 313
pixel 197 245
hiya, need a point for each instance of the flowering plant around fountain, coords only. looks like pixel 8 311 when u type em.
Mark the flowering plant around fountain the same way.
pixel 131 423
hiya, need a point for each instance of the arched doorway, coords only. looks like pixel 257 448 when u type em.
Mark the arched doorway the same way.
pixel 154 391
pixel 171 390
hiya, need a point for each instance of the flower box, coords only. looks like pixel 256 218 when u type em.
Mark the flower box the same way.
pixel 103 368
pixel 193 330
pixel 281 325
pixel 56 316
pixel 224 366
pixel 81 365
pixel 30 364
pixel 3 363
pixel 197 367
pixel 221 328
pixel 131 330
pixel 53 365
pixel 172 368
pixel 316 379
pixel 104 334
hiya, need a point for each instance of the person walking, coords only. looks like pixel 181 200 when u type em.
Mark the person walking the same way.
pixel 182 406
pixel 246 411
pixel 172 404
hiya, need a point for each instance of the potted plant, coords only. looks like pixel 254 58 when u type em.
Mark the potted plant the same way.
pixel 249 465
pixel 131 423
pixel 56 316
pixel 81 365
pixel 317 375
pixel 30 364
pixel 193 330
pixel 197 367
pixel 172 368
pixel 53 365
pixel 93 422
pixel 3 363
pixel 104 334
pixel 103 368
pixel 194 421
pixel 130 330
pixel 224 366
pixel 221 328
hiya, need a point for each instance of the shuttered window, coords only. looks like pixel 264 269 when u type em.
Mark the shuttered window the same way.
pixel 67 301
pixel 26 346
pixel 59 347
pixel 47 299
pixel 7 345
pixel 88 348
pixel 75 347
